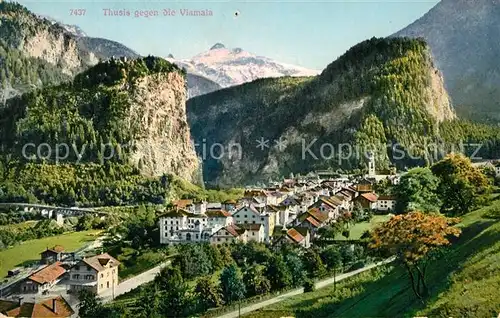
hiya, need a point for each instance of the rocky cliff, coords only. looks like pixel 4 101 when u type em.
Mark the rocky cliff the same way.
pixel 126 111
pixel 379 92
pixel 39 38
pixel 463 37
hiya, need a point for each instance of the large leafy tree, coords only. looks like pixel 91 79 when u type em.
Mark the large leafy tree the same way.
pixel 462 186
pixel 255 280
pixel 296 268
pixel 175 300
pixel 417 191
pixel 208 293
pixel 278 273
pixel 412 237
pixel 231 281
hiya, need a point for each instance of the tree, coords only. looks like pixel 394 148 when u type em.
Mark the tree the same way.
pixel 90 306
pixel 417 191
pixel 208 293
pixel 411 237
pixel 174 292
pixel 231 281
pixel 84 223
pixel 313 264
pixel 296 268
pixel 332 258
pixel 359 214
pixel 277 272
pixel 149 303
pixel 462 186
pixel 255 280
pixel 193 261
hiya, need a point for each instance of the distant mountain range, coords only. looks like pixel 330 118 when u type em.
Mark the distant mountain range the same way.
pixel 464 39
pixel 229 67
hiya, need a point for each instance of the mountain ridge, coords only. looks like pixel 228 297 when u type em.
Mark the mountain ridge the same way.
pixel 462 37
pixel 380 91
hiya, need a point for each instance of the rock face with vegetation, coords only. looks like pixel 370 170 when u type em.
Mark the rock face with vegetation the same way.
pixel 381 91
pixel 121 111
pixel 35 52
pixel 461 34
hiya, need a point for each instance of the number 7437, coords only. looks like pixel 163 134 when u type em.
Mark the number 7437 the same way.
pixel 77 11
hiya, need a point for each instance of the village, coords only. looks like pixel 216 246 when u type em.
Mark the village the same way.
pixel 291 211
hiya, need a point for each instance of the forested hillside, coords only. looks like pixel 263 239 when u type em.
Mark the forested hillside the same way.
pixel 381 91
pixel 127 117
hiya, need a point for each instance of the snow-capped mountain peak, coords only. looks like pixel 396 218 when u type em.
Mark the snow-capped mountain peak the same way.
pixel 229 67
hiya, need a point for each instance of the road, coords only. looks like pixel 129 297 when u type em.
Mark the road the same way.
pixel 133 282
pixel 320 284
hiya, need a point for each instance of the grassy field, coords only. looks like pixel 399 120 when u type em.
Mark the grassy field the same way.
pixel 463 283
pixel 30 250
pixel 358 229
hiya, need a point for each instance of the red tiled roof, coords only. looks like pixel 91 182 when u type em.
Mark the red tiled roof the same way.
pixel 182 203
pixel 48 274
pixel 372 197
pixel 316 213
pixel 313 221
pixel 329 202
pixel 43 309
pixel 234 230
pixel 218 213
pixel 295 235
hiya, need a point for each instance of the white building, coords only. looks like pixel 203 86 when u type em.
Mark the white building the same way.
pixel 250 215
pixel 229 234
pixel 255 232
pixel 386 203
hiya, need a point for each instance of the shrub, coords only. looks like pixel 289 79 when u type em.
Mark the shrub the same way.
pixel 309 286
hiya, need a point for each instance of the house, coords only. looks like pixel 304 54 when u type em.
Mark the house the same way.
pixel 327 207
pixel 56 307
pixel 364 185
pixel 299 236
pixel 367 200
pixel 219 218
pixel 52 255
pixel 191 206
pixel 179 225
pixel 386 203
pixel 229 234
pixel 313 219
pixel 255 232
pixel 43 280
pixel 98 274
pixel 250 215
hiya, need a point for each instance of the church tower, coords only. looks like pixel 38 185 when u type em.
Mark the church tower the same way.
pixel 371 164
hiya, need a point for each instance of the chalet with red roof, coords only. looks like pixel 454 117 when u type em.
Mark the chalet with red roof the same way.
pixel 367 200
pixel 43 280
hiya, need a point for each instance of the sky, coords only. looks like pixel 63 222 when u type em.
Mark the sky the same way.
pixel 306 33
